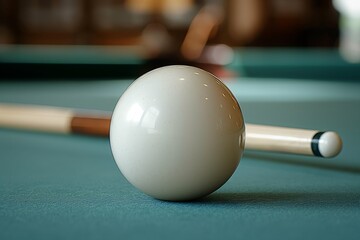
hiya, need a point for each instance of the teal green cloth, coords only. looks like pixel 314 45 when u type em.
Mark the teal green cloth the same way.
pixel 65 54
pixel 69 187
pixel 321 63
pixel 125 62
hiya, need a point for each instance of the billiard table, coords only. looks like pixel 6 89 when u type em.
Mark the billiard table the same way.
pixel 55 186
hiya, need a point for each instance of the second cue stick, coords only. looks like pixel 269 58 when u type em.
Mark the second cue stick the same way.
pixel 258 137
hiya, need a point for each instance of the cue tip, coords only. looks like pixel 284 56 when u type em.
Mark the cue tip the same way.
pixel 326 144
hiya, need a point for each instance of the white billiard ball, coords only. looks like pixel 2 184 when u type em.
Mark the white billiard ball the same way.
pixel 177 133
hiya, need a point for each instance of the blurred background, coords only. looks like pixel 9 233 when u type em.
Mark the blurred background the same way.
pixel 307 23
pixel 174 29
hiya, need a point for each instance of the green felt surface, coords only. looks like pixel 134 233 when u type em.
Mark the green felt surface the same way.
pixel 321 63
pixel 68 187
pixel 66 54
pixel 60 62
pixel 101 62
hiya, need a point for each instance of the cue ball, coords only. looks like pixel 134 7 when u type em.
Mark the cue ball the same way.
pixel 177 133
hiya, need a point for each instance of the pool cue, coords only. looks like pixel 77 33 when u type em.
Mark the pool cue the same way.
pixel 54 119
pixel 258 137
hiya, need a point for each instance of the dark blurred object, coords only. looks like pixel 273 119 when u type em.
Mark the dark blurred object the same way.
pixel 126 22
pixel 48 21
pixel 6 13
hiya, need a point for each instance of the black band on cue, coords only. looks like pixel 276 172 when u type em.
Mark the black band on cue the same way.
pixel 315 144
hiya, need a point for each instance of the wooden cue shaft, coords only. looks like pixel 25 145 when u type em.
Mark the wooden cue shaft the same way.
pixel 91 125
pixel 258 137
pixel 53 119
pixel 292 140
